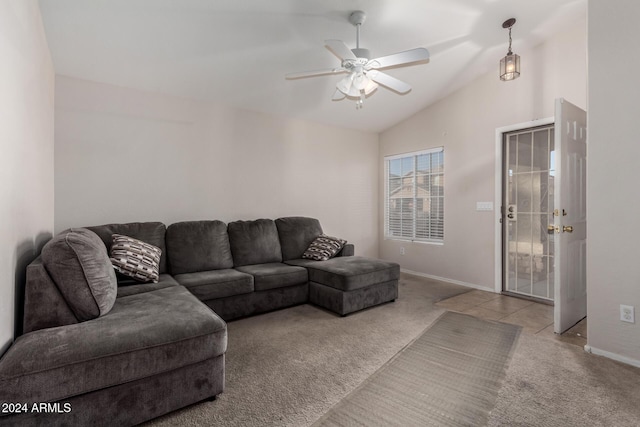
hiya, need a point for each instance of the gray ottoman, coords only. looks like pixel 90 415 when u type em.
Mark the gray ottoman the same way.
pixel 347 284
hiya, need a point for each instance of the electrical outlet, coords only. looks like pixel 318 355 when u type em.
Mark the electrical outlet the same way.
pixel 401 250
pixel 627 313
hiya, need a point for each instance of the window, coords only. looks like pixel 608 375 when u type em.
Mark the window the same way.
pixel 414 196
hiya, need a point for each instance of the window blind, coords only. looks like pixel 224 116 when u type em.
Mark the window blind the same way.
pixel 414 196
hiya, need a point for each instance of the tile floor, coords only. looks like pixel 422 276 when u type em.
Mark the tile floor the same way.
pixel 534 317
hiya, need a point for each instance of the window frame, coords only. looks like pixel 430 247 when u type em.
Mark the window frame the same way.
pixel 387 200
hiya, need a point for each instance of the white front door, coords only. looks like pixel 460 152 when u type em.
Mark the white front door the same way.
pixel 570 215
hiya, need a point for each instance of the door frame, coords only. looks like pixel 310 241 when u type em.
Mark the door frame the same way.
pixel 498 192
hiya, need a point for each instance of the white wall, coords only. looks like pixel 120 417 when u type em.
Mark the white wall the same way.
pixel 613 206
pixel 465 124
pixel 126 155
pixel 26 151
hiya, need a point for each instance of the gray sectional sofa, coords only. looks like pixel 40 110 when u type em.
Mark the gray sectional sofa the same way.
pixel 104 350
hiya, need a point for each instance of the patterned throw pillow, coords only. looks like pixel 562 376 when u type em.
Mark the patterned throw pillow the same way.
pixel 136 259
pixel 323 248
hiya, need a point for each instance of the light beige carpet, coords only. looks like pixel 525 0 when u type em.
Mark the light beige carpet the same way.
pixel 289 367
pixel 550 383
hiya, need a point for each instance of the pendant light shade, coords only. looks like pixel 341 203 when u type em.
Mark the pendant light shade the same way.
pixel 510 64
pixel 510 67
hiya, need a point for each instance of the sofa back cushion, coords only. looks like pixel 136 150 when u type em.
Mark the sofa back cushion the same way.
pixel 149 232
pixel 44 305
pixel 79 264
pixel 296 234
pixel 194 246
pixel 254 242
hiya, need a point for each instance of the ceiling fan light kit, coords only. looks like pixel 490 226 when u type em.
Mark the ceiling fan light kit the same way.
pixel 363 75
pixel 510 64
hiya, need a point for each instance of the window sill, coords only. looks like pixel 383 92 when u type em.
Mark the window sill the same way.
pixel 420 242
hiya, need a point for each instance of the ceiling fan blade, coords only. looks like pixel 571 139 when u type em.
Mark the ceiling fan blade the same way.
pixel 304 74
pixel 398 59
pixel 339 49
pixel 389 82
pixel 338 96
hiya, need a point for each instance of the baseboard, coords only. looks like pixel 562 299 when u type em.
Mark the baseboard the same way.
pixel 444 279
pixel 614 356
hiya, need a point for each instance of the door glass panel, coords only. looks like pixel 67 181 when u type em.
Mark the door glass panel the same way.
pixel 512 156
pixel 544 192
pixel 540 286
pixel 550 198
pixel 524 152
pixel 528 260
pixel 523 252
pixel 538 246
pixel 541 150
pixel 552 152
pixel 551 277
pixel 511 191
pixel 524 189
pixel 512 149
pixel 551 237
pixel 512 261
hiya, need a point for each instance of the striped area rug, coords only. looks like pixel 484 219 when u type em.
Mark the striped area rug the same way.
pixel 449 376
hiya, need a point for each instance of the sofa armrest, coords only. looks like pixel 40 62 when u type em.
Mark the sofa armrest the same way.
pixel 347 250
pixel 44 305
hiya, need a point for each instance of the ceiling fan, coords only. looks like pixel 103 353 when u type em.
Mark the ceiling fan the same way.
pixel 363 73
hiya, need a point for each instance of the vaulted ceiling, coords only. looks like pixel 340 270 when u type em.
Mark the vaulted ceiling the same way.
pixel 237 52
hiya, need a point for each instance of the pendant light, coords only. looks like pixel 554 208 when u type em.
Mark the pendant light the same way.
pixel 510 64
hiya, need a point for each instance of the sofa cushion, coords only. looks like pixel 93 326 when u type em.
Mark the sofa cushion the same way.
pixel 296 234
pixel 131 286
pixel 324 248
pixel 275 275
pixel 149 232
pixel 302 262
pixel 254 242
pixel 352 272
pixel 79 264
pixel 143 335
pixel 347 250
pixel 135 258
pixel 216 284
pixel 198 246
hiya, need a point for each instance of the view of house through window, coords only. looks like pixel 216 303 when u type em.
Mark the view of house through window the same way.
pixel 414 196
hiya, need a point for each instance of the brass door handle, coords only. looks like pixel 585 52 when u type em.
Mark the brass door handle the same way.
pixel 567 228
